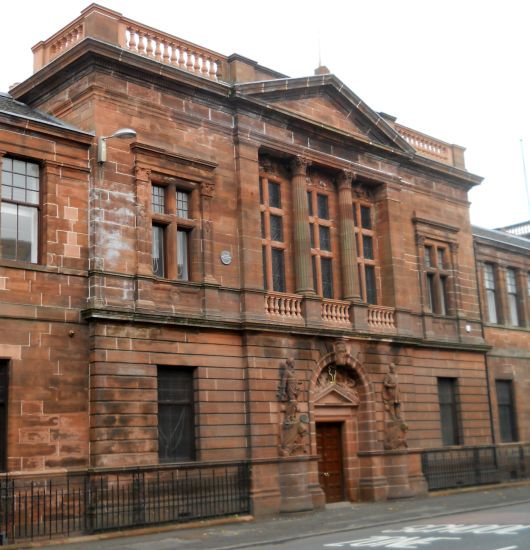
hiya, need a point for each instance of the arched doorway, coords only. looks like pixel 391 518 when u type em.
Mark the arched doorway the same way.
pixel 343 410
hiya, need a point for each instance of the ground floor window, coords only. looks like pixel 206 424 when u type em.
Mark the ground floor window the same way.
pixel 447 394
pixel 3 415
pixel 176 422
pixel 505 405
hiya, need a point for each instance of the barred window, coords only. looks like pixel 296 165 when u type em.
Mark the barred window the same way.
pixel 3 414
pixel 176 422
pixel 506 409
pixel 449 414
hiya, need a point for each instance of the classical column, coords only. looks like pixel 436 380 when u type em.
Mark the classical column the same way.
pixel 301 236
pixel 348 248
pixel 207 192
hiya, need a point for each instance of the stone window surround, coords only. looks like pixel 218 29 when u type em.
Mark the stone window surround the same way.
pixel 439 236
pixel 161 167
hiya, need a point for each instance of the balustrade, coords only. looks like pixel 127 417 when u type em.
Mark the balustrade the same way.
pixel 426 145
pixel 111 27
pixel 382 318
pixel 336 311
pixel 287 306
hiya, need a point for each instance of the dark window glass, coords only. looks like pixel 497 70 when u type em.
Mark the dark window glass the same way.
pixel 261 199
pixel 355 222
pixel 325 239
pixel 158 251
pixel 278 270
pixel 158 194
pixel 368 247
pixel 275 198
pixel 3 414
pixel 506 410
pixel 448 411
pixel 322 207
pixel 264 265
pixel 327 277
pixel 314 268
pixel 513 299
pixel 371 291
pixel 262 214
pixel 309 203
pixel 276 228
pixel 366 219
pixel 176 426
pixel 443 296
pixel 312 234
pixel 441 258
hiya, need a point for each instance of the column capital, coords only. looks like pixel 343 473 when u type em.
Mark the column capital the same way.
pixel 299 165
pixel 345 178
pixel 141 173
pixel 207 188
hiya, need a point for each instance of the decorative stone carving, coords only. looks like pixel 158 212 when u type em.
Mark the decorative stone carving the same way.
pixel 390 394
pixel 345 179
pixel 395 428
pixel 338 379
pixel 141 173
pixel 341 351
pixel 299 166
pixel 294 429
pixel 207 188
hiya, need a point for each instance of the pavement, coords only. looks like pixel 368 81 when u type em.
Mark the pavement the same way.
pixel 335 518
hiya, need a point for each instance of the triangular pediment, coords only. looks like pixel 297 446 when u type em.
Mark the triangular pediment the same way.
pixel 336 396
pixel 325 101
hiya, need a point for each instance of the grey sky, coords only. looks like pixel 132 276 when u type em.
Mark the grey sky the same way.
pixel 457 69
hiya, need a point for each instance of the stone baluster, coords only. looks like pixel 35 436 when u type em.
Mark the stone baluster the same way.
pixel 189 60
pixel 302 241
pixel 196 65
pixel 149 45
pixel 348 248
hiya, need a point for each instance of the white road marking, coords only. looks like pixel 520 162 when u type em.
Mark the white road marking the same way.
pixel 508 548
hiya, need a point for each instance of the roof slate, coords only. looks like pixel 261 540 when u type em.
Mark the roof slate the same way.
pixel 501 237
pixel 10 106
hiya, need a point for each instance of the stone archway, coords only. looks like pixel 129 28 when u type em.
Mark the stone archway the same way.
pixel 342 405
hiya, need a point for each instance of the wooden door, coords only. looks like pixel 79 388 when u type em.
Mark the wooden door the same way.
pixel 329 447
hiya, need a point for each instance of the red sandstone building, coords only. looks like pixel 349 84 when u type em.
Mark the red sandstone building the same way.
pixel 234 282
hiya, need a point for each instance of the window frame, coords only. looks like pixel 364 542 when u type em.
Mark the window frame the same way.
pixel 188 405
pixel 273 281
pixel 512 298
pixel 437 278
pixel 450 411
pixel 511 412
pixel 39 254
pixel 4 404
pixel 172 224
pixel 364 263
pixel 324 288
pixel 489 280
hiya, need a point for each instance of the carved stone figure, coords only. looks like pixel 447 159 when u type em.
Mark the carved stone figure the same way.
pixel 391 398
pixel 395 435
pixel 295 427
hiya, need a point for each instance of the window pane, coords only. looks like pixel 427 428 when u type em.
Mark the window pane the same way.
pixel 511 287
pixel 443 296
pixel 3 414
pixel 315 274
pixel 428 256
pixel 261 200
pixel 158 199
pixel 176 429
pixel 19 232
pixel 322 207
pixel 309 203
pixel 312 234
pixel 182 204
pixel 182 255
pixel 158 251
pixel 440 258
pixel 325 239
pixel 355 221
pixel 371 290
pixel 278 270
pixel 20 181
pixel 492 306
pixel 366 219
pixel 327 277
pixel 368 247
pixel 506 410
pixel 276 228
pixel 27 234
pixel 263 233
pixel 264 264
pixel 275 199
pixel 448 411
pixel 430 291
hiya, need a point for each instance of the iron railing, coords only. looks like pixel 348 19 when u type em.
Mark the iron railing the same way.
pixel 467 466
pixel 94 501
